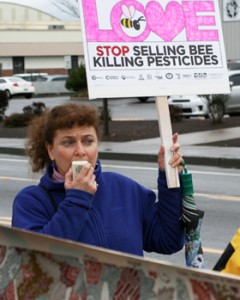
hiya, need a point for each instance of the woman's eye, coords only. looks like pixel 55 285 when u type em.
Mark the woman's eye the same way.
pixel 88 141
pixel 68 143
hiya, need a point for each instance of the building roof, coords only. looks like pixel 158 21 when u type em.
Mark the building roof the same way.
pixel 27 31
pixel 11 12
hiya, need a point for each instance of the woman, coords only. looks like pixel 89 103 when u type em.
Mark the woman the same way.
pixel 99 208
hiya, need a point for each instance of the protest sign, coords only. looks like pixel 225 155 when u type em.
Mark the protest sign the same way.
pixel 34 266
pixel 153 48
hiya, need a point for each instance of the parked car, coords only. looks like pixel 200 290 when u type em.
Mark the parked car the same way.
pixel 32 76
pixel 52 84
pixel 232 105
pixel 55 77
pixel 221 105
pixel 190 105
pixel 233 65
pixel 16 86
pixel 215 106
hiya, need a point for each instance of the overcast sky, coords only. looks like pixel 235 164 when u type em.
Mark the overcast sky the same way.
pixel 43 5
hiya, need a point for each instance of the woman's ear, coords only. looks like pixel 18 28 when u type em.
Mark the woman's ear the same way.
pixel 49 150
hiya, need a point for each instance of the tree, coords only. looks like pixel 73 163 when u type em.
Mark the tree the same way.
pixel 69 7
pixel 3 104
pixel 77 80
pixel 217 107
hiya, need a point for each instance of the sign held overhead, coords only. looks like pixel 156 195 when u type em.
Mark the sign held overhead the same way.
pixel 153 48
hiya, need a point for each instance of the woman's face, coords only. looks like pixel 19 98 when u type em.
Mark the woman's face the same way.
pixel 78 143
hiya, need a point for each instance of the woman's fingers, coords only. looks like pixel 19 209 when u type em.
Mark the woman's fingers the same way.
pixel 176 158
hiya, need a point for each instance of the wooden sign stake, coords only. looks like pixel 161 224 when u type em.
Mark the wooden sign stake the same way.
pixel 165 128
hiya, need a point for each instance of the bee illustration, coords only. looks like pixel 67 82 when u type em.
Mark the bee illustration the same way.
pixel 129 13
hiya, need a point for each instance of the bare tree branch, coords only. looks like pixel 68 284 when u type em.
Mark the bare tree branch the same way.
pixel 69 7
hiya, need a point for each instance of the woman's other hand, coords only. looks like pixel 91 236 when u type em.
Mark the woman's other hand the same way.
pixel 175 160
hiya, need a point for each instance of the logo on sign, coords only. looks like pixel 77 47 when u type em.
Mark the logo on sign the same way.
pixel 200 75
pixel 169 76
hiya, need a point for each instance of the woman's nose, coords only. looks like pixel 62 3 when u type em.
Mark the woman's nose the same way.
pixel 80 149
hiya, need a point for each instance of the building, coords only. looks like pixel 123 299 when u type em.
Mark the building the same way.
pixel 33 41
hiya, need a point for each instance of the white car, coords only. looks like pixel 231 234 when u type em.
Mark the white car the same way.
pixel 217 106
pixel 55 77
pixel 190 105
pixel 221 105
pixel 16 86
pixel 232 105
pixel 32 76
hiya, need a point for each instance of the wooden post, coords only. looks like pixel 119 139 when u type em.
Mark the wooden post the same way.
pixel 105 116
pixel 165 128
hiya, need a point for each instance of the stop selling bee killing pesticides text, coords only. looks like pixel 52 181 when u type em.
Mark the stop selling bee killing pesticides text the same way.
pixel 149 56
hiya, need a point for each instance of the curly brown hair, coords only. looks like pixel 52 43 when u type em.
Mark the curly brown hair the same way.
pixel 41 130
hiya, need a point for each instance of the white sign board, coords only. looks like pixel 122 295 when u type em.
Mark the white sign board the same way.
pixel 153 48
pixel 68 62
pixel 231 10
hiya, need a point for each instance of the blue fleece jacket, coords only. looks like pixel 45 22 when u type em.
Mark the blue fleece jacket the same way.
pixel 122 215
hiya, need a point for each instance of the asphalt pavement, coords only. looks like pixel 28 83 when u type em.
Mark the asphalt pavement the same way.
pixel 146 150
